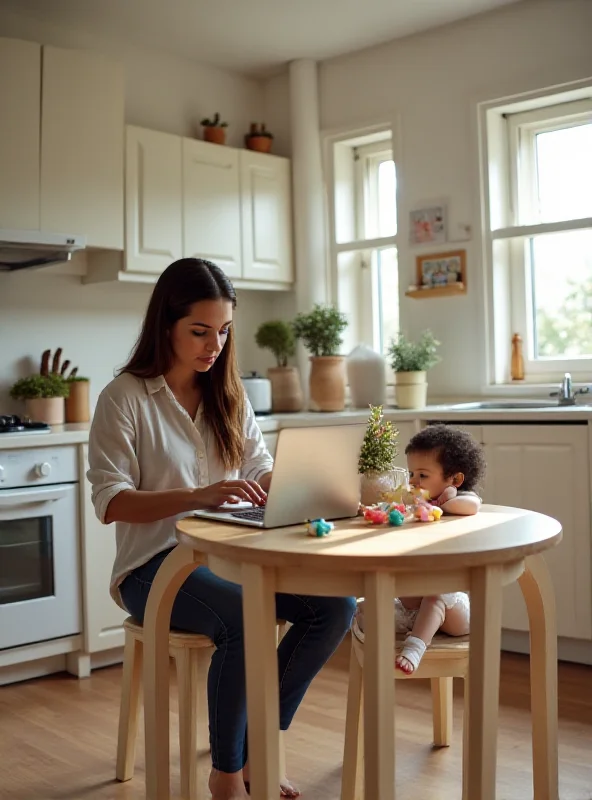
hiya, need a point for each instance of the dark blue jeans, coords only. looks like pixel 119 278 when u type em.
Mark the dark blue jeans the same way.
pixel 213 607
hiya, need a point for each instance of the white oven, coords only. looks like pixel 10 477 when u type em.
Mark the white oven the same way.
pixel 39 545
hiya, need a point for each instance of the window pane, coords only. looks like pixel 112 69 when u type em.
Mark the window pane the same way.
pixel 561 274
pixel 387 199
pixel 564 171
pixel 387 297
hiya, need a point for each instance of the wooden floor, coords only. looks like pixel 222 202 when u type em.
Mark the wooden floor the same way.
pixel 58 734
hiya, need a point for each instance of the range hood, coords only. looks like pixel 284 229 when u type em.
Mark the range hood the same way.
pixel 27 249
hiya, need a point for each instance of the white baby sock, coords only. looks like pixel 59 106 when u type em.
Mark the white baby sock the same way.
pixel 413 651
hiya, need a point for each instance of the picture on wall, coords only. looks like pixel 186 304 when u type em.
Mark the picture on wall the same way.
pixel 441 269
pixel 428 225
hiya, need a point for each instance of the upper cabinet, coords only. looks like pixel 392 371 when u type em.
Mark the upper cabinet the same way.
pixel 153 200
pixel 266 217
pixel 211 205
pixel 192 199
pixel 20 92
pixel 82 145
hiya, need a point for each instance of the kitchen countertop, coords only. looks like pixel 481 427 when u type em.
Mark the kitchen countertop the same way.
pixel 78 434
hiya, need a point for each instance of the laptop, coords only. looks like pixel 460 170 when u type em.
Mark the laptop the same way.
pixel 315 475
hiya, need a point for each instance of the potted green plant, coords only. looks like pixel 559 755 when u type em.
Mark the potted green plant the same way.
pixel 214 129
pixel 376 463
pixel 78 401
pixel 259 138
pixel 410 362
pixel 43 396
pixel 286 389
pixel 320 330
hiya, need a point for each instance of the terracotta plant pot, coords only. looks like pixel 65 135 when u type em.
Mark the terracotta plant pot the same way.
pixel 374 484
pixel 411 389
pixel 214 134
pixel 77 402
pixel 262 144
pixel 46 409
pixel 327 383
pixel 286 389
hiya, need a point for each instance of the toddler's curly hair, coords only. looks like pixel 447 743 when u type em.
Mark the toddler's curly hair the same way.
pixel 456 451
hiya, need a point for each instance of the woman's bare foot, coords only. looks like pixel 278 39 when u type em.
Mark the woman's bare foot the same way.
pixel 227 786
pixel 286 787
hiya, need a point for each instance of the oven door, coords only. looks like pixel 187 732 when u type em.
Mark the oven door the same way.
pixel 39 558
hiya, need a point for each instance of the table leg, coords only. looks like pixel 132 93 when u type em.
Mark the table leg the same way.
pixel 157 619
pixel 261 668
pixel 379 687
pixel 484 671
pixel 537 589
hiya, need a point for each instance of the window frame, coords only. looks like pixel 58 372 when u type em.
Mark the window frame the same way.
pixel 510 218
pixel 359 246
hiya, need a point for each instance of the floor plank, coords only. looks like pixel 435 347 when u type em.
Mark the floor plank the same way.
pixel 57 738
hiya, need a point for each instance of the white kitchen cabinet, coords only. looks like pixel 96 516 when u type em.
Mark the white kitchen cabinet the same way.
pixel 266 218
pixel 82 146
pixel 211 205
pixel 153 200
pixel 406 431
pixel 103 619
pixel 20 116
pixel 545 468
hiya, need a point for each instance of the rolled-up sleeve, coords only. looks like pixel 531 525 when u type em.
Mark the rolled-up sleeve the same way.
pixel 257 460
pixel 113 463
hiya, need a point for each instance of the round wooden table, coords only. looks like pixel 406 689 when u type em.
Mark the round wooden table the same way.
pixel 478 554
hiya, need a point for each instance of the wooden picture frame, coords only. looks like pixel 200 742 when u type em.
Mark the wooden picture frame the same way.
pixel 440 274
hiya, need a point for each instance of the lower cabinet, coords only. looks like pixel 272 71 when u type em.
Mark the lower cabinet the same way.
pixel 545 468
pixel 103 619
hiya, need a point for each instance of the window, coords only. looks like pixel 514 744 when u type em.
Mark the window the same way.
pixel 540 203
pixel 365 278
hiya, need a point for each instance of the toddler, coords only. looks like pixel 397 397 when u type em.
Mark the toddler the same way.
pixel 449 464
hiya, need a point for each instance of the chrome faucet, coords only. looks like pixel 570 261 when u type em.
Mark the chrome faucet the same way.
pixel 566 395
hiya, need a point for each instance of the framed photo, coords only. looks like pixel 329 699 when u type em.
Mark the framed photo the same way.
pixel 428 225
pixel 442 269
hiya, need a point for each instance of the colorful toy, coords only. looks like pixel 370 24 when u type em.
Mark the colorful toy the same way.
pixel 423 510
pixel 396 517
pixel 318 527
pixel 375 515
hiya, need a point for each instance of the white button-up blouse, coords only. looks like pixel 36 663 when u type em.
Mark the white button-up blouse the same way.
pixel 142 438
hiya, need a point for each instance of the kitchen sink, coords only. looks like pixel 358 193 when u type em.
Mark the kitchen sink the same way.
pixel 497 405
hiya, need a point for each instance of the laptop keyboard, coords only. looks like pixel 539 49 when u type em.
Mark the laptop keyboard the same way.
pixel 254 514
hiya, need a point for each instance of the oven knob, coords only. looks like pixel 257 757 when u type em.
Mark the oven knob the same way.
pixel 43 470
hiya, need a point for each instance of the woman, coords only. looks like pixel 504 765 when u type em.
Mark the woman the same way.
pixel 172 433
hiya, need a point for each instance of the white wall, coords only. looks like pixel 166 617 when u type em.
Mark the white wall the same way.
pixel 97 324
pixel 433 82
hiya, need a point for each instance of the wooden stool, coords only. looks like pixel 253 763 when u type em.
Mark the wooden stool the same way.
pixel 445 659
pixel 191 653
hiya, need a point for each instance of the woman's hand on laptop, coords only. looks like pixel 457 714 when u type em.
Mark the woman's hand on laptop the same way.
pixel 233 491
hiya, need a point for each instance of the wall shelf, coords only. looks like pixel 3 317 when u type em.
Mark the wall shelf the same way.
pixel 449 290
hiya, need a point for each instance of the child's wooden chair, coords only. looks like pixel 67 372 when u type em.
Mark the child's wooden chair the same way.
pixel 191 653
pixel 445 659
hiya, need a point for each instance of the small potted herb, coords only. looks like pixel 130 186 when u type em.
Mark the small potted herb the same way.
pixel 376 464
pixel 43 396
pixel 286 390
pixel 259 138
pixel 214 129
pixel 321 330
pixel 410 362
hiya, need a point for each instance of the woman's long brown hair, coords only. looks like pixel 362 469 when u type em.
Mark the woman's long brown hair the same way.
pixel 182 284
